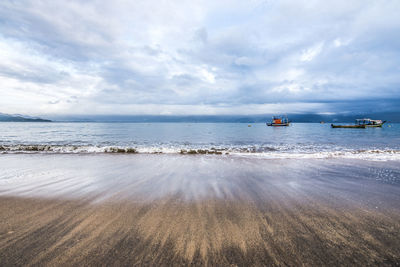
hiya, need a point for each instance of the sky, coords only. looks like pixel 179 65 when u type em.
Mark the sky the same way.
pixel 199 57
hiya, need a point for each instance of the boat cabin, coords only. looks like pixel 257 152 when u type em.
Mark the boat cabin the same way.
pixel 279 120
pixel 368 122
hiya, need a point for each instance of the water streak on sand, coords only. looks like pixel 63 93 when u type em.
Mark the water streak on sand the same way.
pixel 146 176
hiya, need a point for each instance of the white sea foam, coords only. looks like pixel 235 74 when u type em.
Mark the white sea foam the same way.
pixel 270 152
pixel 375 155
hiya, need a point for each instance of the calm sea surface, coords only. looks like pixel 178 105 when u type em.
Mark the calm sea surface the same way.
pixel 298 140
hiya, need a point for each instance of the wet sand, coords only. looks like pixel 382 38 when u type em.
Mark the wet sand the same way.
pixel 165 210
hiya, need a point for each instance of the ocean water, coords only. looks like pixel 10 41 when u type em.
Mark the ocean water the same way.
pixel 300 140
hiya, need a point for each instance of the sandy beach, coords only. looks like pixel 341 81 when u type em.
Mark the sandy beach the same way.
pixel 170 210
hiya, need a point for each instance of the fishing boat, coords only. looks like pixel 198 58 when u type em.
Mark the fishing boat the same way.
pixel 279 121
pixel 362 124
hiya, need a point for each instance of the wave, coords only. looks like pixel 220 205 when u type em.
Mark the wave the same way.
pixel 278 152
pixel 20 148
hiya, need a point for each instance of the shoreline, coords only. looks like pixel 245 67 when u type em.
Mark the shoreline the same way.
pixel 264 153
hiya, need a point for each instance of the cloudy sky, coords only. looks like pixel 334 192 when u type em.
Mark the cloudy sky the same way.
pixel 199 57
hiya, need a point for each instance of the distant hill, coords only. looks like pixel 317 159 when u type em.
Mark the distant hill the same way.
pixel 261 118
pixel 20 118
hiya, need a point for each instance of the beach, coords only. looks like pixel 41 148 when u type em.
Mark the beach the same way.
pixel 215 210
pixel 199 133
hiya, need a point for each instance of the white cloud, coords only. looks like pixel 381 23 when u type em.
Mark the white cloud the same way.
pixel 207 76
pixel 175 57
pixel 310 53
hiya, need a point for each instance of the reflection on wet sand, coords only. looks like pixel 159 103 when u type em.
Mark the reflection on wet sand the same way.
pixel 105 210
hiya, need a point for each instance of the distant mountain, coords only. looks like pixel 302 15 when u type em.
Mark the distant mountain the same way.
pixel 20 118
pixel 261 118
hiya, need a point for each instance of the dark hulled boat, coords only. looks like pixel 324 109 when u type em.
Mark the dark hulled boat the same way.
pixel 362 124
pixel 348 126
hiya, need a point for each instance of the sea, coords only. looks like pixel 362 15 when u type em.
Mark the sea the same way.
pixel 299 140
pixel 146 162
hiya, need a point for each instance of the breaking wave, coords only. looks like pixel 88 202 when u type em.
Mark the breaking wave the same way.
pixel 271 152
